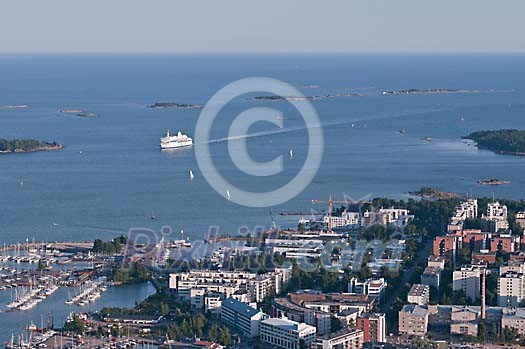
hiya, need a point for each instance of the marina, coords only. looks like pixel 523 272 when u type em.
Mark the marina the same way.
pixel 89 292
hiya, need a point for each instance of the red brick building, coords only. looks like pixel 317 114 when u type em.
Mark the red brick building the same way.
pixel 373 327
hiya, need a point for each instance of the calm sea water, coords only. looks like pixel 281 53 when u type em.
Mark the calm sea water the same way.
pixel 111 175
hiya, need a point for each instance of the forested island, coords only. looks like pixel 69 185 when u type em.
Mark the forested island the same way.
pixel 500 141
pixel 431 193
pixel 26 145
pixel 493 181
pixel 164 105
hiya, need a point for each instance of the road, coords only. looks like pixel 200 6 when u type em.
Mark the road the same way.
pixel 407 274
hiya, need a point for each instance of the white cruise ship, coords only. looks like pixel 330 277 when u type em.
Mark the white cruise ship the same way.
pixel 175 141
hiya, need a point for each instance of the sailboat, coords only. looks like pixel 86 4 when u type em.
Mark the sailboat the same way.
pixel 191 175
pixel 228 195
pixel 291 153
pixel 153 215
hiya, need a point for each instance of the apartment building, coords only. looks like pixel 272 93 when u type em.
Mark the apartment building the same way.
pixel 496 218
pixel 504 243
pixel 370 287
pixel 464 321
pixel 419 294
pixel 316 308
pixel 295 248
pixel 514 318
pixel 446 245
pixel 399 217
pixel 467 279
pixel 194 285
pixel 436 261
pixel 466 210
pixel 241 317
pixel 413 320
pixel 511 289
pixel 346 338
pixel 520 219
pixel 431 276
pixel 373 326
pixel 287 334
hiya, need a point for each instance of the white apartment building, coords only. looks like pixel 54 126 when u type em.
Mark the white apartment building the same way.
pixel 419 294
pixel 495 210
pixel 303 248
pixel 347 219
pixel 241 317
pixel 511 289
pixel 496 218
pixel 286 334
pixel 466 210
pixel 467 279
pixel 371 287
pixel 195 277
pixel 197 293
pixel 261 287
pixel 347 338
pixel 193 285
pixel 436 261
pixel 395 216
pixel 520 219
pixel 212 303
pixel 386 216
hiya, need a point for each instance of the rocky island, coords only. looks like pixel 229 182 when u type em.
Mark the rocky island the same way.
pixel 414 91
pixel 493 181
pixel 165 105
pixel 431 193
pixel 26 145
pixel 304 98
pixel 500 141
pixel 78 112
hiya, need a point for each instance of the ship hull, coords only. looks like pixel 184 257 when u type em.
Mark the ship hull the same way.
pixel 175 145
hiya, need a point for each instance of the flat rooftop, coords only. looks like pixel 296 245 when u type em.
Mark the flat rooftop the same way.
pixel 419 290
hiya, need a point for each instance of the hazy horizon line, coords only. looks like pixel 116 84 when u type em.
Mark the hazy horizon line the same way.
pixel 300 52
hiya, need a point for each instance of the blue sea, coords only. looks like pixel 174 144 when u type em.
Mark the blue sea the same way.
pixel 111 175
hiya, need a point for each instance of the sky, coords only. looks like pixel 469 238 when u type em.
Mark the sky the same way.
pixel 262 26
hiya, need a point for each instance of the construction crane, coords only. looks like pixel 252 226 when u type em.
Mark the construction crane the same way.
pixel 331 203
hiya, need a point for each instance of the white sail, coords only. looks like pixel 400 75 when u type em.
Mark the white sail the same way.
pixel 291 153
pixel 191 175
pixel 228 194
